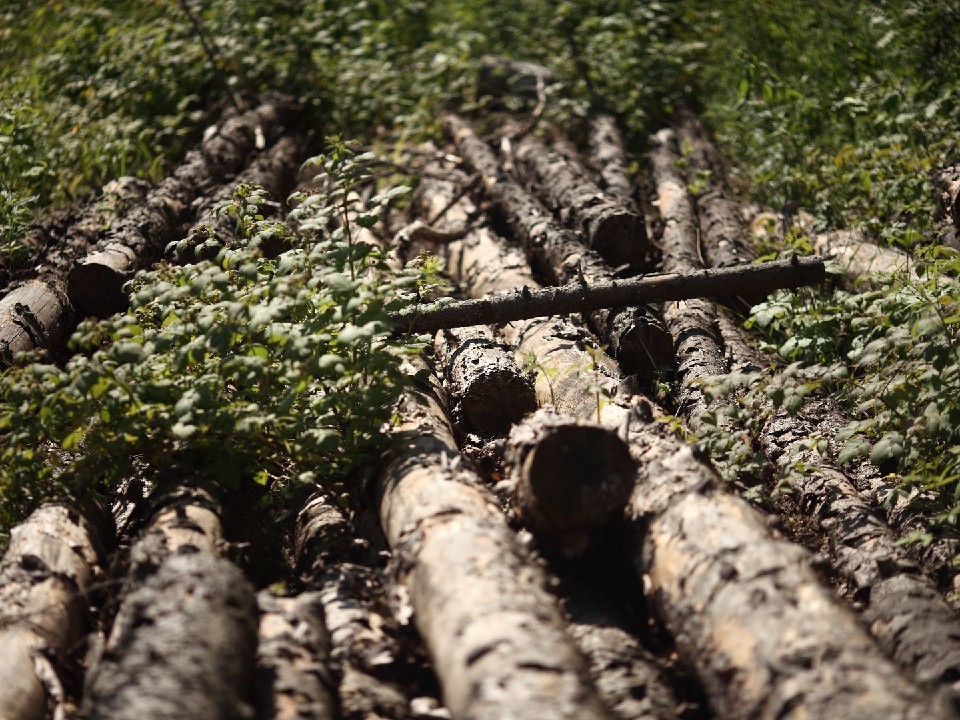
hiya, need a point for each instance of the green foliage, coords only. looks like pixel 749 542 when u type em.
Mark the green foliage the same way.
pixel 245 368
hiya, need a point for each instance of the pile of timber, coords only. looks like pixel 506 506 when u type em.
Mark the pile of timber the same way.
pixel 597 568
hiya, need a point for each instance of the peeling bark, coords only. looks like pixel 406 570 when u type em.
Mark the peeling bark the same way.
pixel 95 284
pixel 183 646
pixel 569 480
pixel 496 635
pixel 636 335
pixel 615 230
pixel 489 391
pixel 293 663
pixel 53 559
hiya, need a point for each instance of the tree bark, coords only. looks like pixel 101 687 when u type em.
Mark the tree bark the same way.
pixel 862 549
pixel 32 316
pixel 273 171
pixel 95 283
pixel 569 479
pixel 496 636
pixel 612 228
pixel 293 660
pixel 182 646
pixel 489 391
pixel 746 610
pixel 524 304
pixel 609 158
pixel 636 335
pixel 53 559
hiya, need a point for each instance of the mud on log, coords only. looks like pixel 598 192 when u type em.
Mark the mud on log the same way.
pixel 95 284
pixel 636 335
pixel 569 479
pixel 53 559
pixel 489 391
pixel 497 637
pixel 615 230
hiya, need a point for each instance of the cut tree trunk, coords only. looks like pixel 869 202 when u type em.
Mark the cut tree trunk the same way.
pixel 636 335
pixel 183 643
pixel 524 304
pixel 364 648
pixel 489 392
pixel 609 158
pixel 569 480
pixel 496 636
pixel 274 171
pixel 293 660
pixel 862 549
pixel 182 646
pixel 612 228
pixel 95 283
pixel 746 610
pixel 33 316
pixel 53 559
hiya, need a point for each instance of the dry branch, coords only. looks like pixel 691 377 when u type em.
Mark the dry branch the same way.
pixel 636 335
pixel 569 480
pixel 581 297
pixel 52 561
pixel 610 226
pixel 488 389
pixel 95 283
pixel 496 636
pixel 501 76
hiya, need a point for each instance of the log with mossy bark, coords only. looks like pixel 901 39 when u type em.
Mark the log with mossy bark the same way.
pixel 53 560
pixel 635 334
pixel 95 283
pixel 488 389
pixel 569 479
pixel 497 638
pixel 610 227
pixel 862 549
pixel 183 643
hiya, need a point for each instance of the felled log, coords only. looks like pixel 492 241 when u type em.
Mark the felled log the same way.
pixel 581 297
pixel 636 335
pixel 293 668
pixel 612 228
pixel 489 391
pixel 273 171
pixel 53 559
pixel 32 316
pixel 184 640
pixel 183 645
pixel 947 183
pixel 501 76
pixel 94 285
pixel 496 636
pixel 746 609
pixel 364 647
pixel 861 549
pixel 609 158
pixel 569 479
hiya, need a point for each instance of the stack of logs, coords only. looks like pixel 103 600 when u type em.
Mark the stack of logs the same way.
pixel 640 585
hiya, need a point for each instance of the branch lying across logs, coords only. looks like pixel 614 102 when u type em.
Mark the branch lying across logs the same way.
pixel 569 479
pixel 636 336
pixel 581 297
pixel 496 635
pixel 53 558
